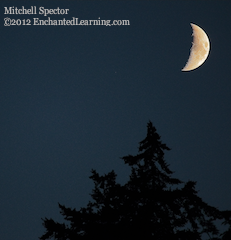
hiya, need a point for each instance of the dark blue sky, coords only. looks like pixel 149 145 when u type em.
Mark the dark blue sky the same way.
pixel 76 98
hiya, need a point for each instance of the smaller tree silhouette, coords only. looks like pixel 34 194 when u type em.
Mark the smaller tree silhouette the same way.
pixel 149 206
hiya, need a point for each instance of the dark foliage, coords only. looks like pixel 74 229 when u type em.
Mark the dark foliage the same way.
pixel 151 205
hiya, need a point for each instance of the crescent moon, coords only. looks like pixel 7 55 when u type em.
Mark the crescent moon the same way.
pixel 200 49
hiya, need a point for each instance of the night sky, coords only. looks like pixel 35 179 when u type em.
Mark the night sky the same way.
pixel 76 98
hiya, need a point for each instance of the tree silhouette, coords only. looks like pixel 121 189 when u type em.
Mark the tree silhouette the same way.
pixel 151 205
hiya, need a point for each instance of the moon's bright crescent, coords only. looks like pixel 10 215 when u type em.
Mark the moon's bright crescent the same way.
pixel 200 49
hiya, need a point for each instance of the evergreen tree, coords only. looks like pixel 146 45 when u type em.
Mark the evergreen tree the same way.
pixel 151 205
